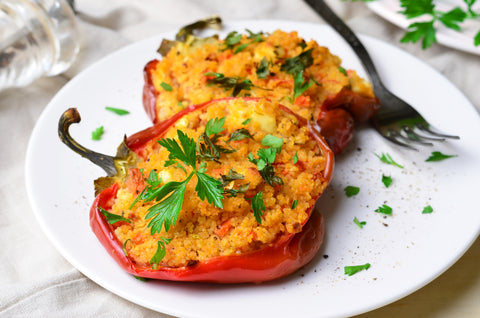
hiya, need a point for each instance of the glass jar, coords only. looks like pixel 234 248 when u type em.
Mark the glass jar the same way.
pixel 37 38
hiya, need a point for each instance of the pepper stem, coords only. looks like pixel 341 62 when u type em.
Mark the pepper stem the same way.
pixel 72 116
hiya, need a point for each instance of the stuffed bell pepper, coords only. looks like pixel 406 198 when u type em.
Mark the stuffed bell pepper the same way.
pixel 223 191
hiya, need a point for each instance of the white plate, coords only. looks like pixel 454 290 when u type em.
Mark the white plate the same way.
pixel 414 248
pixel 463 40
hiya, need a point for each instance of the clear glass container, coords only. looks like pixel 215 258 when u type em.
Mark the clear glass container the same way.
pixel 37 38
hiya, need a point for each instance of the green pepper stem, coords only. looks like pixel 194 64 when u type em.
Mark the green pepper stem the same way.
pixel 72 116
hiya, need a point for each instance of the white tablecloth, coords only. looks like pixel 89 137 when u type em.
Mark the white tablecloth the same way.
pixel 36 281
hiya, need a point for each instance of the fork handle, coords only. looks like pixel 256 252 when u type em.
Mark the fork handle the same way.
pixel 334 21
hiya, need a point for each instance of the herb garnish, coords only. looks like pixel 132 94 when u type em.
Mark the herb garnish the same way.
pixel 272 141
pixel 166 87
pixel 294 204
pixel 258 206
pixel 234 38
pixel 262 68
pixel 235 84
pixel 342 70
pixel 239 134
pixel 360 224
pixel 295 66
pixel 266 156
pixel 160 253
pixel 97 133
pixel 117 111
pixel 425 30
pixel 207 147
pixel 438 156
pixel 113 218
pixel 246 121
pixel 295 158
pixel 350 191
pixel 386 158
pixel 427 210
pixel 387 180
pixel 351 270
pixel 384 209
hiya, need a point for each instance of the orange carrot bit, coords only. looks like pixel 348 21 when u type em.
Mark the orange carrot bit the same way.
pixel 302 101
pixel 138 238
pixel 135 182
pixel 224 228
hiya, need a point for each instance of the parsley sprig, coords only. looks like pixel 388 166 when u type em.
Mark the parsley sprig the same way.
pixel 426 30
pixel 236 84
pixel 296 66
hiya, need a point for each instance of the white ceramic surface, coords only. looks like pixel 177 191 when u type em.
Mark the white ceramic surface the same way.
pixel 406 250
pixel 460 40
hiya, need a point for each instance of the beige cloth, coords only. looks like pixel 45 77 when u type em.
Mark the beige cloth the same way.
pixel 36 281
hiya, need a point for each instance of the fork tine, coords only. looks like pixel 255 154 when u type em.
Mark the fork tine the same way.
pixel 428 130
pixel 394 135
pixel 413 136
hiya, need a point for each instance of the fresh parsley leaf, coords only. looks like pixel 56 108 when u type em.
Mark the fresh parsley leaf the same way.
pixel 297 64
pixel 300 84
pixel 387 180
pixel 342 70
pixel 113 218
pixel 160 253
pixel 272 141
pixel 264 165
pixel 295 158
pixel 262 68
pixel 294 204
pixel 232 39
pixel 166 87
pixel 476 39
pixel 239 134
pixel 350 191
pixel 214 126
pixel 384 209
pixel 438 156
pixel 246 121
pixel 185 153
pixel 165 213
pixel 427 210
pixel 351 270
pixel 386 158
pixel 452 18
pixel 117 111
pixel 258 206
pixel 358 223
pixel 210 188
pixel 418 30
pixel 97 133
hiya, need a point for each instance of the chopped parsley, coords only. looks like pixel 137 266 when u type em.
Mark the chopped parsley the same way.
pixel 207 145
pixel 386 158
pixel 113 218
pixel 97 133
pixel 117 111
pixel 342 70
pixel 272 141
pixel 166 87
pixel 262 68
pixel 384 209
pixel 235 84
pixel 240 134
pixel 246 121
pixel 358 223
pixel 387 180
pixel 351 270
pixel 438 156
pixel 160 253
pixel 427 210
pixel 295 158
pixel 350 191
pixel 142 279
pixel 294 204
pixel 296 66
pixel 266 156
pixel 258 206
